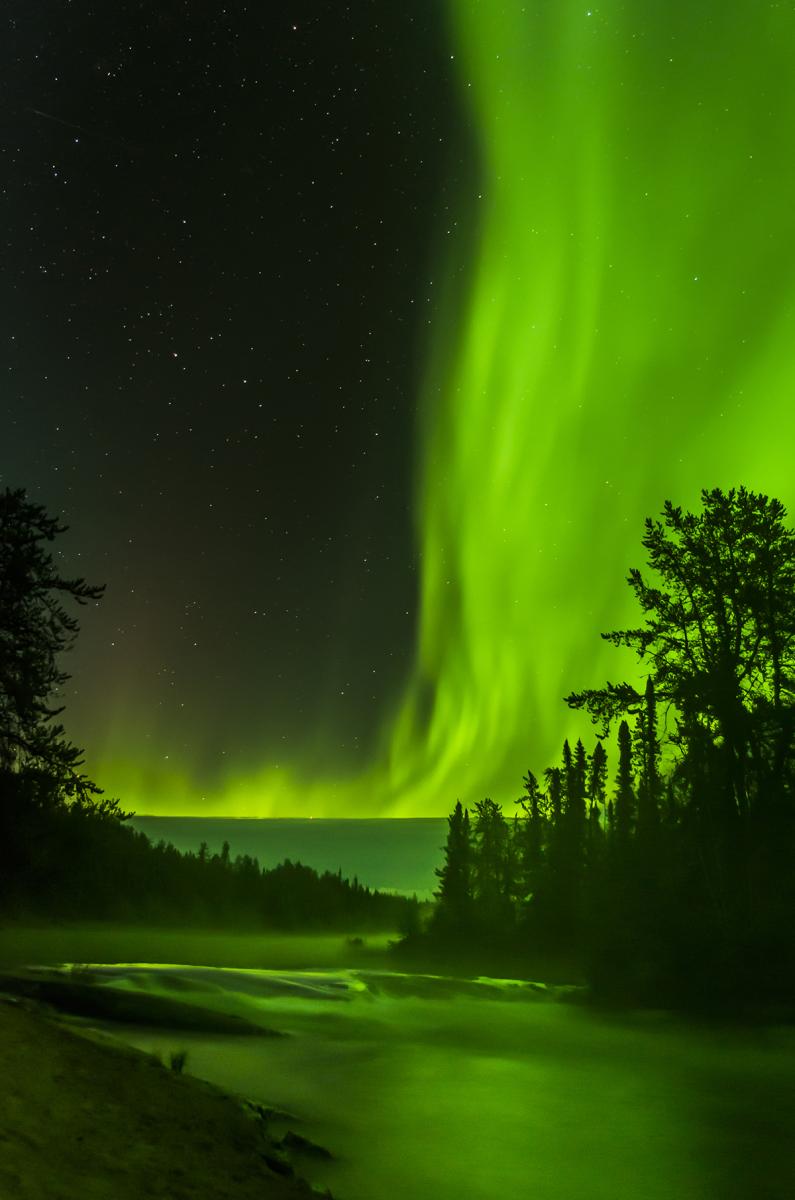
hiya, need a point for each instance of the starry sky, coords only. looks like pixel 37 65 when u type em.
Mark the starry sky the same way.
pixel 355 341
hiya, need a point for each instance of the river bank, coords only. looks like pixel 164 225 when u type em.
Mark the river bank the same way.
pixel 83 1117
pixel 437 1086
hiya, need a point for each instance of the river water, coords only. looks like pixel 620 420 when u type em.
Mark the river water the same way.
pixel 434 1089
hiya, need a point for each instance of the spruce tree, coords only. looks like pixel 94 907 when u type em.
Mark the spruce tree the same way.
pixel 597 786
pixel 35 628
pixel 718 641
pixel 554 781
pixel 567 773
pixel 491 863
pixel 624 793
pixel 576 799
pixel 454 894
pixel 531 833
pixel 648 756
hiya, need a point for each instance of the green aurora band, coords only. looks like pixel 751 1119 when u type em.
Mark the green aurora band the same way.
pixel 626 335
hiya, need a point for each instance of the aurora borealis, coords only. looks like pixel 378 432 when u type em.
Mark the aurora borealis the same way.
pixel 625 339
pixel 606 244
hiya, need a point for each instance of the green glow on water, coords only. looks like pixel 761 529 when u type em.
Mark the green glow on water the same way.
pixel 422 1087
pixel 626 336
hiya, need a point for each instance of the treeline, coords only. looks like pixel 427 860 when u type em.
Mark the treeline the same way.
pixel 65 850
pixel 666 875
pixel 75 861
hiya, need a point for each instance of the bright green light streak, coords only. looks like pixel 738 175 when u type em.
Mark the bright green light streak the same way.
pixel 627 337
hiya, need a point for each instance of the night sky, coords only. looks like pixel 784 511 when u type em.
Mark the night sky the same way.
pixel 354 343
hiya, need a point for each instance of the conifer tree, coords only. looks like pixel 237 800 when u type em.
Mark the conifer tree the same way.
pixel 624 793
pixel 572 826
pixel 454 893
pixel 579 776
pixel 597 786
pixel 531 832
pixel 718 641
pixel 554 781
pixel 648 756
pixel 35 628
pixel 491 863
pixel 567 773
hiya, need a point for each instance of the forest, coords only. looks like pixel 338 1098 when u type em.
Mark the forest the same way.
pixel 656 867
pixel 662 874
pixel 66 850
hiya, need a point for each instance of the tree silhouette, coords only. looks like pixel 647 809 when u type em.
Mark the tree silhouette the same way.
pixel 35 628
pixel 531 834
pixel 624 801
pixel 680 887
pixel 719 644
pixel 454 894
pixel 493 884
pixel 575 813
pixel 648 753
pixel 554 781
pixel 41 782
pixel 597 787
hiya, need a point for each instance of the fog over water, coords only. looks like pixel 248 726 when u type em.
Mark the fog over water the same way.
pixel 439 1089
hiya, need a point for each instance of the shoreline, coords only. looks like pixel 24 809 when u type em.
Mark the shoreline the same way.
pixel 84 1116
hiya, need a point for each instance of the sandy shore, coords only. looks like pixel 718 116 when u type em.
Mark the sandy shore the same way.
pixel 84 1118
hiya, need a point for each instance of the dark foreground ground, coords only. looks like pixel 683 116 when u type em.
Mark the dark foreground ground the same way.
pixel 84 1118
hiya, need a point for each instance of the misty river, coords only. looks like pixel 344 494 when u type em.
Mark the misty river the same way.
pixel 437 1089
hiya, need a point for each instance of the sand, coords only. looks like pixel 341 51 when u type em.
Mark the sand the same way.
pixel 83 1117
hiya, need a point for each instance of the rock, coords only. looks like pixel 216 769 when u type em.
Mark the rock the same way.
pixel 297 1144
pixel 278 1165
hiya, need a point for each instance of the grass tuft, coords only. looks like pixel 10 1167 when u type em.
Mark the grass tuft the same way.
pixel 177 1060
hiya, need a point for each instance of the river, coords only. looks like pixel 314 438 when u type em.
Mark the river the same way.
pixel 433 1089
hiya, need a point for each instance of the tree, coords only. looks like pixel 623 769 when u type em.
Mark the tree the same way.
pixel 567 775
pixel 689 897
pixel 717 645
pixel 531 834
pixel 624 806
pixel 597 785
pixel 718 641
pixel 648 752
pixel 454 894
pixel 491 876
pixel 36 758
pixel 577 793
pixel 554 780
pixel 569 839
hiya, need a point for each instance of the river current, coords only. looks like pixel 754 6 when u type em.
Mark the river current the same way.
pixel 437 1089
